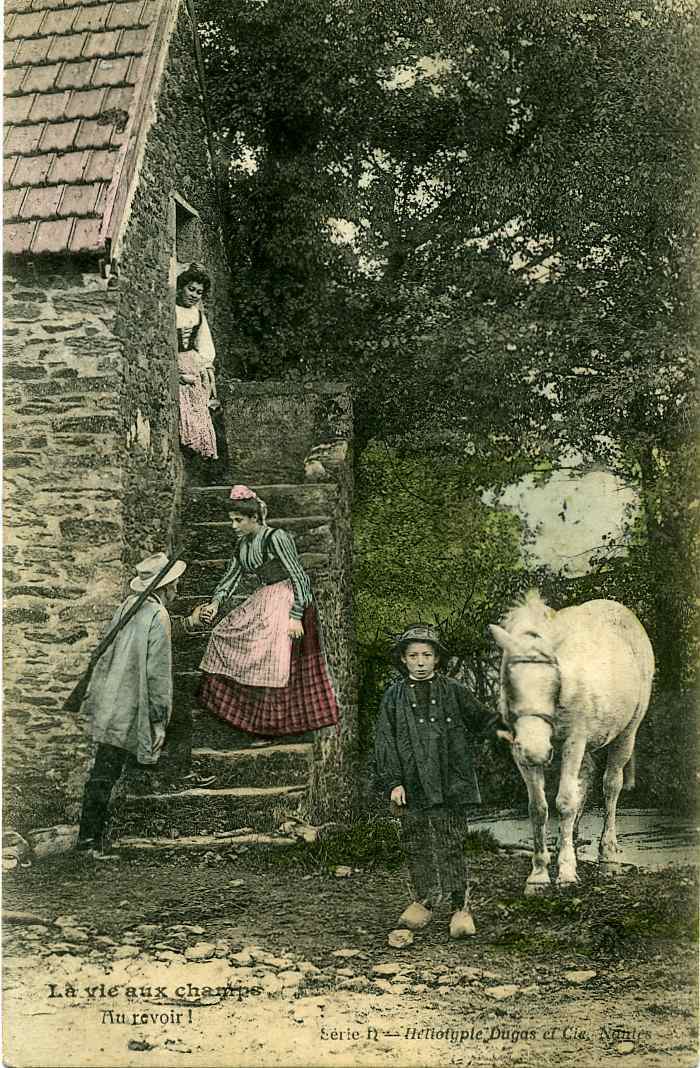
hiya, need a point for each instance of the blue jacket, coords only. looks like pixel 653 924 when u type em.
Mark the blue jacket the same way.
pixel 429 753
pixel 130 697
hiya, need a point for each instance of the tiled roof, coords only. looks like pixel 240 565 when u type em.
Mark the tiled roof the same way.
pixel 74 73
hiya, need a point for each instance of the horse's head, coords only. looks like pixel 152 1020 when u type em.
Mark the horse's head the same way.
pixel 529 692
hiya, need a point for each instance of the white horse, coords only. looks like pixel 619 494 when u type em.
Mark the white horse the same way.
pixel 574 680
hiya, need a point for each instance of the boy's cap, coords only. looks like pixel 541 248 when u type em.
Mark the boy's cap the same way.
pixel 417 632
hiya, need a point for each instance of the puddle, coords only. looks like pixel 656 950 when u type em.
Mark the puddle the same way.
pixel 649 839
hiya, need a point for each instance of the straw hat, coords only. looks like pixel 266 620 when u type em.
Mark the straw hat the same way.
pixel 147 570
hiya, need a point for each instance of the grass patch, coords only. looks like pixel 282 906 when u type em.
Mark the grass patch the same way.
pixel 370 844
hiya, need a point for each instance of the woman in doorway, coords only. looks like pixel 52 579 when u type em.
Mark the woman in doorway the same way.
pixel 264 671
pixel 195 360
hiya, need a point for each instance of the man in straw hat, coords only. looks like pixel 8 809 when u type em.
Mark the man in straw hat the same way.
pixel 130 697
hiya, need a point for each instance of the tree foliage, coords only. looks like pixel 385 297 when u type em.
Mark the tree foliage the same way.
pixel 483 216
pixel 519 178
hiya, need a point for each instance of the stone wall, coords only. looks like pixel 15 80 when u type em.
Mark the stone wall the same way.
pixel 334 791
pixel 271 427
pixel 92 466
pixel 176 161
pixel 64 478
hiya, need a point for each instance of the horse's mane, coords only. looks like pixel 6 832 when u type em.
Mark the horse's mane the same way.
pixel 529 612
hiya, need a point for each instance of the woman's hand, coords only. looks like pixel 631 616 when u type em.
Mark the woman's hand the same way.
pixel 209 612
pixel 398 795
pixel 295 629
pixel 505 736
pixel 188 380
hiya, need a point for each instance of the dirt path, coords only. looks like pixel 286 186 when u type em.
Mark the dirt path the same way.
pixel 236 962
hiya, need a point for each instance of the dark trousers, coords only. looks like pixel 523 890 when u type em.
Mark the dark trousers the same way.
pixel 176 758
pixel 108 766
pixel 434 844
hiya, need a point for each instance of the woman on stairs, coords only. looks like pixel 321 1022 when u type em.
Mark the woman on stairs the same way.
pixel 264 671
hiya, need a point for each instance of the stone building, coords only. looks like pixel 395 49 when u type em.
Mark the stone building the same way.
pixel 109 183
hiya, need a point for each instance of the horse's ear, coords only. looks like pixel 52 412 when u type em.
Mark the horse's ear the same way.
pixel 503 638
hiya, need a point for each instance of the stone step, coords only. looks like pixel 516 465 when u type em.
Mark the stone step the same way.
pixel 208 503
pixel 290 764
pixel 216 539
pixel 202 576
pixel 195 842
pixel 209 732
pixel 206 811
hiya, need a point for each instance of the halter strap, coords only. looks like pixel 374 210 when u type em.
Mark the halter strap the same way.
pixel 535 715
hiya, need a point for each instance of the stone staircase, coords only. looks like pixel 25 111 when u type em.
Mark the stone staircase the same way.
pixel 255 790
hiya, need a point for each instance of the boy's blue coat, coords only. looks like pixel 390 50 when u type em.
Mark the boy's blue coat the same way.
pixel 431 760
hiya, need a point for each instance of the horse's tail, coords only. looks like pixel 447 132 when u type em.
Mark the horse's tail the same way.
pixel 628 780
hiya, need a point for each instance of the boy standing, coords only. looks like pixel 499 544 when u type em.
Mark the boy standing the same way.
pixel 423 763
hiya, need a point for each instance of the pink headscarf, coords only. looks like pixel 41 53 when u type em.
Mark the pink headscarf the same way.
pixel 245 493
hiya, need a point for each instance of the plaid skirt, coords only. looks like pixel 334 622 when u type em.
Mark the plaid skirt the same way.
pixel 306 703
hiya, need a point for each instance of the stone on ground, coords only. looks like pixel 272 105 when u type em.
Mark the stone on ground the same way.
pixel 400 938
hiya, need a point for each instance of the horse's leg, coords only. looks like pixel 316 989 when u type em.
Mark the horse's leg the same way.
pixel 619 753
pixel 537 808
pixel 570 799
pixel 585 778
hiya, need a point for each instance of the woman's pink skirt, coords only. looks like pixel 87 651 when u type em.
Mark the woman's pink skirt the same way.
pixel 251 642
pixel 196 427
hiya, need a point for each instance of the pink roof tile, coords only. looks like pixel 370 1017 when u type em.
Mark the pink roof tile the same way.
pixel 86 236
pixel 74 84
pixel 85 104
pixel 133 41
pixel 69 167
pixel 48 106
pixel 23 140
pixel 93 18
pixel 39 79
pixel 17 237
pixel 68 47
pixel 42 201
pixel 9 50
pixel 32 51
pixel 101 165
pixel 10 164
pixel 111 71
pixel 136 70
pixel 126 15
pixel 17 108
pixel 119 99
pixel 13 6
pixel 76 75
pixel 41 5
pixel 103 44
pixel 60 21
pixel 81 199
pixel 59 136
pixel 24 25
pixel 12 202
pixel 30 170
pixel 94 134
pixel 13 79
pixel 52 235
